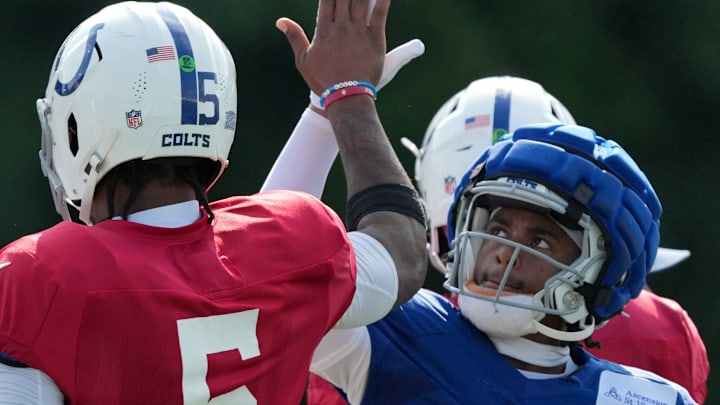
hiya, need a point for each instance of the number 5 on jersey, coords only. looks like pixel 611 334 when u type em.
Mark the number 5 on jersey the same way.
pixel 200 337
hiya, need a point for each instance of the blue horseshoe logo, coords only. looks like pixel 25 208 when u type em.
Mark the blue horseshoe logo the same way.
pixel 65 89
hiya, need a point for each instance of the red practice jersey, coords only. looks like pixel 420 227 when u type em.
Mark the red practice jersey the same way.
pixel 123 313
pixel 660 337
pixel 321 392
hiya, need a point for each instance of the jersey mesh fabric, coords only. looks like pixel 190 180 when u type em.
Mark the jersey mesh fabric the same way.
pixel 426 349
pixel 659 336
pixel 321 392
pixel 116 312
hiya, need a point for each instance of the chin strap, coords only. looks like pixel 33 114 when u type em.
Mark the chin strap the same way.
pixel 565 299
pixel 93 171
pixel 87 198
pixel 586 330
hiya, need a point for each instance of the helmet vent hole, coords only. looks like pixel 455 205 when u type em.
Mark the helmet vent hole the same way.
pixel 554 111
pixel 223 84
pixel 72 135
pixel 455 106
pixel 139 87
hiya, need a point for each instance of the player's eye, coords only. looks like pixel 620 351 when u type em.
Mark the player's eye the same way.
pixel 497 231
pixel 540 243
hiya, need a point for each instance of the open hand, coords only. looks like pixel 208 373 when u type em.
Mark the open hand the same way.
pixel 346 45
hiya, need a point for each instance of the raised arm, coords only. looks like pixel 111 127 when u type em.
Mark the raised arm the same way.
pixel 381 201
pixel 308 155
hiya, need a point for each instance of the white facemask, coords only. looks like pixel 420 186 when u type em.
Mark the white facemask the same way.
pixel 498 320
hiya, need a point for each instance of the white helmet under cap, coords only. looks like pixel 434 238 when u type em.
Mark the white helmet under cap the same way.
pixel 134 81
pixel 468 123
pixel 667 258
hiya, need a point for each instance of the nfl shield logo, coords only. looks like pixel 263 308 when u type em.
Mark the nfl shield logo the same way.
pixel 134 119
pixel 450 185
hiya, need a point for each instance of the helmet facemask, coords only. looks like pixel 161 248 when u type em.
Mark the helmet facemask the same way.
pixel 582 181
pixel 559 296
pixel 56 187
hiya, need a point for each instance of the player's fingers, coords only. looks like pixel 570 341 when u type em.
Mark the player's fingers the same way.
pixel 371 7
pixel 295 36
pixel 379 15
pixel 360 9
pixel 326 10
pixel 342 10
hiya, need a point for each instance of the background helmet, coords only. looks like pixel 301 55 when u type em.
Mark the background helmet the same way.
pixel 135 80
pixel 470 121
pixel 585 183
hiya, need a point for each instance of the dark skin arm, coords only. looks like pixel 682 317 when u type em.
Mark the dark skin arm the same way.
pixel 346 47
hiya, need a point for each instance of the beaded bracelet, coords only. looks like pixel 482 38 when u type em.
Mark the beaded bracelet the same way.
pixel 345 89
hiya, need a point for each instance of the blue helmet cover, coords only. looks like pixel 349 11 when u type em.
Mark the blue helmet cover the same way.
pixel 596 176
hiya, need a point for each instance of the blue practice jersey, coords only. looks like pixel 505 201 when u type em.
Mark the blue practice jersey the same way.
pixel 425 352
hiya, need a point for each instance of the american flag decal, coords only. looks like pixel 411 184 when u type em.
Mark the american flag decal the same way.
pixel 477 121
pixel 159 53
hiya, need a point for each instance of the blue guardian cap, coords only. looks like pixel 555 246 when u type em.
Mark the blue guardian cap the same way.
pixel 587 184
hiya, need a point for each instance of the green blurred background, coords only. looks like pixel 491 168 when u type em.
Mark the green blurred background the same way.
pixel 644 73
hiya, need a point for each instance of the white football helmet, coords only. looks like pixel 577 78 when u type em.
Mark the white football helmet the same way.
pixel 135 80
pixel 468 123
